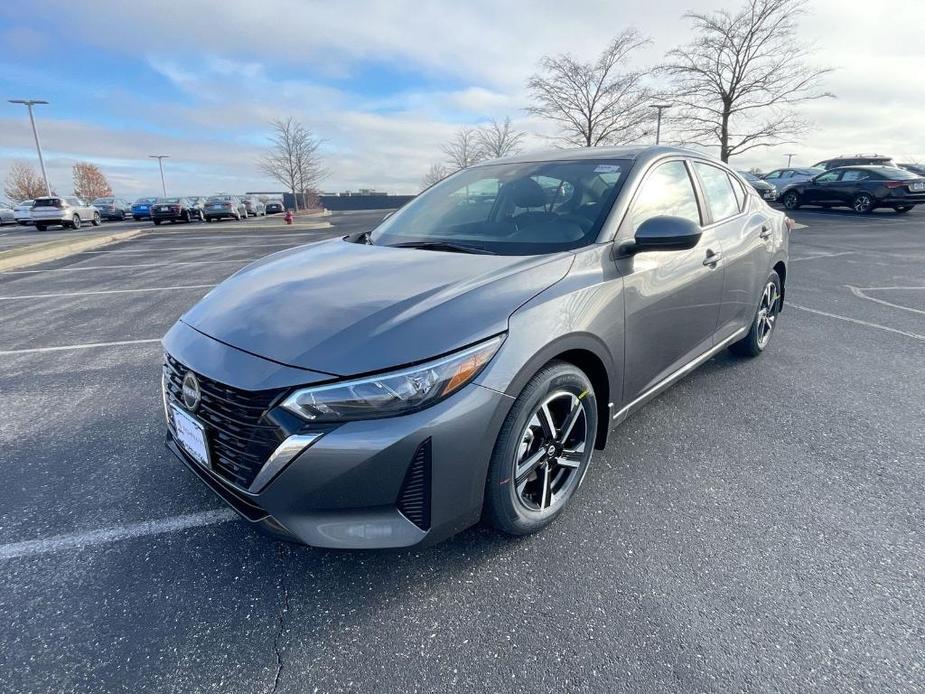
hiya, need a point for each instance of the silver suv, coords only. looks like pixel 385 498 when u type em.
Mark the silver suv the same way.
pixel 67 212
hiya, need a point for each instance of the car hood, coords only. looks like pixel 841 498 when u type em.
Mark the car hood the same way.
pixel 345 308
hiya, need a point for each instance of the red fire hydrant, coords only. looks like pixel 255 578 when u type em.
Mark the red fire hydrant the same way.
pixel 288 217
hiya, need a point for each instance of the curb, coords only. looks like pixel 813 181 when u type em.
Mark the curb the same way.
pixel 25 256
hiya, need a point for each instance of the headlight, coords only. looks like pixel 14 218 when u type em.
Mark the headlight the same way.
pixel 392 393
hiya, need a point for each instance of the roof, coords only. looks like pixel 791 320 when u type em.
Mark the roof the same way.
pixel 632 152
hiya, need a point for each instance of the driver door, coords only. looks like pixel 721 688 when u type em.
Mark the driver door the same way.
pixel 672 298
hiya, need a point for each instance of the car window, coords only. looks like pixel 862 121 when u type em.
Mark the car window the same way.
pixel 774 174
pixel 897 174
pixel 827 177
pixel 666 190
pixel 718 191
pixel 854 175
pixel 46 202
pixel 739 192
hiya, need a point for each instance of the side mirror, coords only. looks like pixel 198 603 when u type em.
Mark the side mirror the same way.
pixel 665 233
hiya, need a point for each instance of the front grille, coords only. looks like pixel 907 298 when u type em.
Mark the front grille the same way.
pixel 414 499
pixel 240 438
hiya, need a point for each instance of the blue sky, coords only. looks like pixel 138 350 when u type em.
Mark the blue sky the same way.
pixel 383 83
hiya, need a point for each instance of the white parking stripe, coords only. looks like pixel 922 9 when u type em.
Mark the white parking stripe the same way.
pixel 106 291
pixel 123 267
pixel 823 255
pixel 87 345
pixel 859 292
pixel 78 541
pixel 857 321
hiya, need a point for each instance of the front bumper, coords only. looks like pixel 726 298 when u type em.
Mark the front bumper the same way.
pixel 395 482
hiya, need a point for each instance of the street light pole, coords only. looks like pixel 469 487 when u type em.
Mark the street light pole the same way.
pixel 29 103
pixel 658 127
pixel 789 157
pixel 160 160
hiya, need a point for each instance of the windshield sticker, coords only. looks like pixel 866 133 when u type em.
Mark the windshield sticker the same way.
pixel 607 168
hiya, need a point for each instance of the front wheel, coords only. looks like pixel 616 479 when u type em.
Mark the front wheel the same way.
pixel 762 328
pixel 862 203
pixel 96 220
pixel 543 450
pixel 791 200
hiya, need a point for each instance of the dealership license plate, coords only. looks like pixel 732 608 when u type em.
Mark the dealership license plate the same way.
pixel 917 186
pixel 191 436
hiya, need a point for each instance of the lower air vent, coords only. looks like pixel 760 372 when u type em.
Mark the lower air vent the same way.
pixel 414 499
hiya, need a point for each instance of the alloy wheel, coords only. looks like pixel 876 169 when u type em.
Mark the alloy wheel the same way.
pixel 75 221
pixel 863 203
pixel 791 201
pixel 767 313
pixel 552 447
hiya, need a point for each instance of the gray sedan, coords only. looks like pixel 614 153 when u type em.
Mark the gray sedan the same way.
pixel 465 358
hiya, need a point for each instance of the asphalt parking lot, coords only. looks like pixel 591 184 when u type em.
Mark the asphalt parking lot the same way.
pixel 756 528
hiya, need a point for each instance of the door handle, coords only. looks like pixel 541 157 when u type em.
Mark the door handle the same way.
pixel 765 232
pixel 713 257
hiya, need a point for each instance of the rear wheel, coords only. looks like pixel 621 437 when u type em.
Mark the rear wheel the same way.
pixel 759 335
pixel 903 208
pixel 96 219
pixel 862 203
pixel 75 222
pixel 791 200
pixel 543 450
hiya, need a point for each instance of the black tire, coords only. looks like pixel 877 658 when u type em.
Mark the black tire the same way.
pixel 863 203
pixel 122 216
pixel 187 218
pixel 757 340
pixel 136 218
pixel 791 200
pixel 902 209
pixel 41 227
pixel 157 222
pixel 76 222
pixel 96 220
pixel 505 508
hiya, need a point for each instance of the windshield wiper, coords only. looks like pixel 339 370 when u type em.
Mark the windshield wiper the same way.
pixel 445 246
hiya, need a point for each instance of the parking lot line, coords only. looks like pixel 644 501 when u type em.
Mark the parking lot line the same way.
pixel 106 291
pixel 859 293
pixel 858 321
pixel 78 541
pixel 125 267
pixel 150 249
pixel 87 345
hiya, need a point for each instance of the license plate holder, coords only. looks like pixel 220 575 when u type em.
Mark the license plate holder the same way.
pixel 191 436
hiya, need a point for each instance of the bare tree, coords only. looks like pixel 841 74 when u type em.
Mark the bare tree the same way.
pixel 500 139
pixel 593 103
pixel 23 183
pixel 293 158
pixel 89 182
pixel 436 172
pixel 735 84
pixel 464 149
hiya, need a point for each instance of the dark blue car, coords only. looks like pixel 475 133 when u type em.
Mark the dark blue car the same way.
pixel 141 208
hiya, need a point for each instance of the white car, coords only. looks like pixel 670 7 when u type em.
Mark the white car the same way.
pixel 7 216
pixel 64 211
pixel 23 212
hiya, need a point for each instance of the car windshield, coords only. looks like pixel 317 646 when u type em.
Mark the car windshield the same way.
pixel 144 201
pixel 510 209
pixel 748 176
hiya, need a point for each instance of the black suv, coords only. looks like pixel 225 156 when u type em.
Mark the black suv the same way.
pixel 863 188
pixel 856 160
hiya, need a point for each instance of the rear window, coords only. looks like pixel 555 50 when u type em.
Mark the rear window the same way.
pixel 171 200
pixel 220 198
pixel 144 201
pixel 896 174
pixel 47 202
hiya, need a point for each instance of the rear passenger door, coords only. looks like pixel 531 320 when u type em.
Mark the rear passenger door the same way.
pixel 744 232
pixel 849 184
